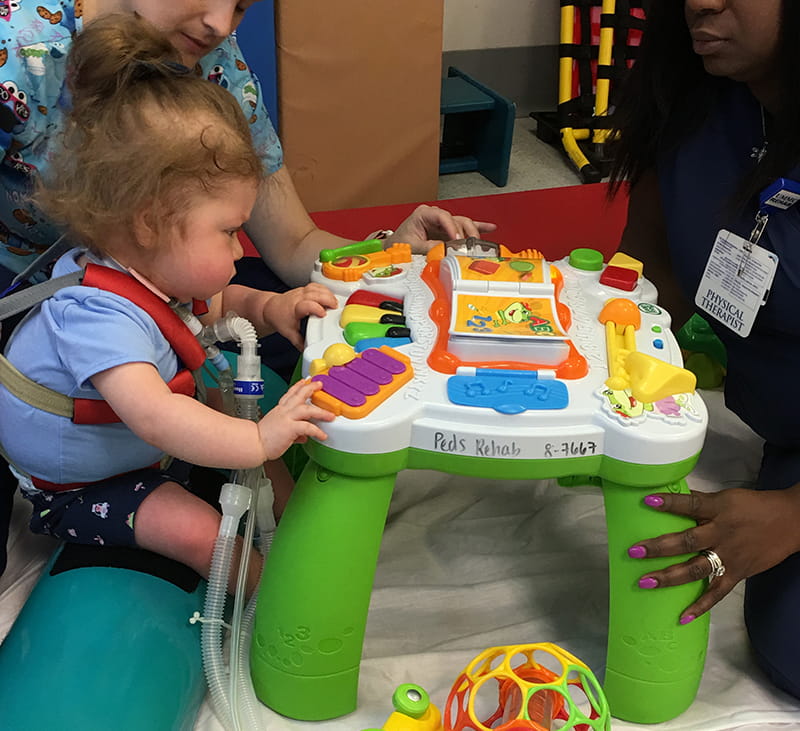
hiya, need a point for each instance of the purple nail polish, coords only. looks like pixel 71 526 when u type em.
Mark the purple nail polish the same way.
pixel 654 501
pixel 688 618
pixel 637 551
pixel 648 582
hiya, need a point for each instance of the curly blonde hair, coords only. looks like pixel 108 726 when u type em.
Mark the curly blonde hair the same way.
pixel 145 134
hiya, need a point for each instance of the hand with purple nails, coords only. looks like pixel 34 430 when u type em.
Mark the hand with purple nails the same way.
pixel 749 531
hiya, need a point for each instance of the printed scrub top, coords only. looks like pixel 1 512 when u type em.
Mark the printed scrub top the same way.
pixel 35 36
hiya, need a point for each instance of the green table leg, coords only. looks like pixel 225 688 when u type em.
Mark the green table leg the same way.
pixel 315 592
pixel 654 664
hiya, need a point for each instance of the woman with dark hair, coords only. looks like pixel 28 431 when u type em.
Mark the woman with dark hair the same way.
pixel 708 136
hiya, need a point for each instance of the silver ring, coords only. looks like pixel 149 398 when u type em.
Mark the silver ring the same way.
pixel 717 567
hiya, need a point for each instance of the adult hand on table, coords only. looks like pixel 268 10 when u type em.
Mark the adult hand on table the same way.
pixel 750 531
pixel 428 225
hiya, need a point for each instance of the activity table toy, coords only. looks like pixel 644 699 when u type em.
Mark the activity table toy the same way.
pixel 478 361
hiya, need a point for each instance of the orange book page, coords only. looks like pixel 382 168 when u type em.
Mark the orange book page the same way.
pixel 507 316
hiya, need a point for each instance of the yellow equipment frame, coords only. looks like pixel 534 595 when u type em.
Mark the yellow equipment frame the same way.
pixel 597 134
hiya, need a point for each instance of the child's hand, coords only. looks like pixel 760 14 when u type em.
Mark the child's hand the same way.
pixel 289 422
pixel 285 311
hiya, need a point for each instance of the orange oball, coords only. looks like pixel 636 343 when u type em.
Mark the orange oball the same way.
pixel 525 693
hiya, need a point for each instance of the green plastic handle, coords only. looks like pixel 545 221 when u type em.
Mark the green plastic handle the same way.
pixel 370 246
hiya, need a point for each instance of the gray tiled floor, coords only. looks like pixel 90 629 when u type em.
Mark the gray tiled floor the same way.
pixel 534 165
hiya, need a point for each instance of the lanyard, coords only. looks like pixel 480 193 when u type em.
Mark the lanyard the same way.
pixel 778 196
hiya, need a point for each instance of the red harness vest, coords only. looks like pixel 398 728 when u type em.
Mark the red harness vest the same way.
pixel 177 334
pixel 174 330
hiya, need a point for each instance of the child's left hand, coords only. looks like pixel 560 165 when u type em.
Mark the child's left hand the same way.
pixel 284 311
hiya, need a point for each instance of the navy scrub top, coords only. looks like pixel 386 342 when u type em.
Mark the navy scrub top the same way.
pixel 697 183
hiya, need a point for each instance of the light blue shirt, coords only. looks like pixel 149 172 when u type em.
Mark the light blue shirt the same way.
pixel 61 344
pixel 36 38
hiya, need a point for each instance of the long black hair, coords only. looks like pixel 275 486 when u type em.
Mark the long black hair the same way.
pixel 668 94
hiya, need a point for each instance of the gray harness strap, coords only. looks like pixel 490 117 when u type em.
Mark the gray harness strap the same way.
pixel 18 384
pixel 50 254
pixel 33 393
pixel 17 302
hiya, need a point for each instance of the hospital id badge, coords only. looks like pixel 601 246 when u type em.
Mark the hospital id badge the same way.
pixel 736 281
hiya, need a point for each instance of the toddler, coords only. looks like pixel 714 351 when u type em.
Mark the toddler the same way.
pixel 156 177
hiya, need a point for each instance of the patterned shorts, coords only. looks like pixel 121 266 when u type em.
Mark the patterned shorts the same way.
pixel 102 513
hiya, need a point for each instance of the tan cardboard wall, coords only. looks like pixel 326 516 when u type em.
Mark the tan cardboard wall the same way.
pixel 358 86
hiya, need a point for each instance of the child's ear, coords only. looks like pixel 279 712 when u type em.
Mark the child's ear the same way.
pixel 144 229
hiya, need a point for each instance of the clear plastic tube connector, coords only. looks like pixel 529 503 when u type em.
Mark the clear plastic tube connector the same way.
pixel 235 501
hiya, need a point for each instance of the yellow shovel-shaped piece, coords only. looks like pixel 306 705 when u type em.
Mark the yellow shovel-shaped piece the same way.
pixel 649 379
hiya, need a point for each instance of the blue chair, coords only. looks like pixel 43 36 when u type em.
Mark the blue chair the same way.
pixel 477 130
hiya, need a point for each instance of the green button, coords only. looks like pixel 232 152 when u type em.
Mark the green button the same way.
pixel 411 699
pixel 656 328
pixel 589 260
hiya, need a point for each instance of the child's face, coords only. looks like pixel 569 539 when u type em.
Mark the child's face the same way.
pixel 195 27
pixel 195 260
